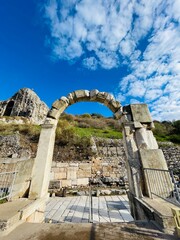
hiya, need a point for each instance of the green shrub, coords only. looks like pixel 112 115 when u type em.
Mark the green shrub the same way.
pixel 85 115
pixel 68 117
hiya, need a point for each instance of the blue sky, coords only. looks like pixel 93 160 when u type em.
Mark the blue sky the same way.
pixel 130 49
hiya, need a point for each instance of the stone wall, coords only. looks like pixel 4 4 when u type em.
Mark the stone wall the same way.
pixel 70 174
pixel 109 161
pixel 23 167
pixel 108 164
pixel 111 158
pixel 172 155
pixel 17 146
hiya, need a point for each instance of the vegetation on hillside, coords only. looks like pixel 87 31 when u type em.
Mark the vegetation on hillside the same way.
pixel 79 128
pixel 167 131
pixel 87 125
pixel 31 130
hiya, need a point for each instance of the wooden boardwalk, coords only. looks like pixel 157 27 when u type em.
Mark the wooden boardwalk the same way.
pixel 76 209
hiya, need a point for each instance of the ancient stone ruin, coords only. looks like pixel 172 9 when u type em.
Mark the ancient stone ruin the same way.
pixel 25 103
pixel 142 156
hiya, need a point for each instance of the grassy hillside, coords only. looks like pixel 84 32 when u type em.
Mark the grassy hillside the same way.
pixel 72 129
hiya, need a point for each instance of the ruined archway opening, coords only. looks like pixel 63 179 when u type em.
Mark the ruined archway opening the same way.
pixel 89 147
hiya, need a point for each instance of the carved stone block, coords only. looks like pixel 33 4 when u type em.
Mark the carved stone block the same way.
pixel 140 113
pixel 93 94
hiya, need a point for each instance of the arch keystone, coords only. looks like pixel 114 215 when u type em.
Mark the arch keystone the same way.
pixel 93 94
pixel 81 95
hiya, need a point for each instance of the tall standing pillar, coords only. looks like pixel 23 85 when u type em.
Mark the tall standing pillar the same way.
pixel 43 160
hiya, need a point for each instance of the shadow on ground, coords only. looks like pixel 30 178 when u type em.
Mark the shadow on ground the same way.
pixel 105 231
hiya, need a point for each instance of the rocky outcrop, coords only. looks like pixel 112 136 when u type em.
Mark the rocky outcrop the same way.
pixel 13 146
pixel 27 104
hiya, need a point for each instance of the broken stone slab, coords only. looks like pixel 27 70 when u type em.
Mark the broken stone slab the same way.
pixel 138 125
pixel 139 113
pixel 145 138
pixel 152 143
pixel 156 181
pixel 153 158
pixel 105 192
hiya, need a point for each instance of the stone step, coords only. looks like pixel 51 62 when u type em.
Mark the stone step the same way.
pixel 10 215
pixel 163 217
pixel 14 213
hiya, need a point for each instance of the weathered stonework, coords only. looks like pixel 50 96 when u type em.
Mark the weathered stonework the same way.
pixel 83 95
pixel 25 103
pixel 108 163
pixel 140 148
pixel 172 155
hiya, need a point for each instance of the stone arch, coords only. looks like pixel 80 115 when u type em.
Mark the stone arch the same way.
pixel 41 171
pixel 140 145
pixel 105 98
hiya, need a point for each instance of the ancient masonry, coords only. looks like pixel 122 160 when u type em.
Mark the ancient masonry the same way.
pixel 142 154
pixel 68 171
pixel 109 160
pixel 108 164
pixel 25 103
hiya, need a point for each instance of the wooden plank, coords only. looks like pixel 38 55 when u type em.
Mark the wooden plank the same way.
pixel 95 209
pixel 124 200
pixel 67 210
pixel 103 211
pixel 72 207
pixel 62 206
pixel 85 217
pixel 126 215
pixel 54 208
pixel 78 213
pixel 113 204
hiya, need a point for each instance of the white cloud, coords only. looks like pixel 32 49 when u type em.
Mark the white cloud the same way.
pixel 144 35
pixel 90 63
